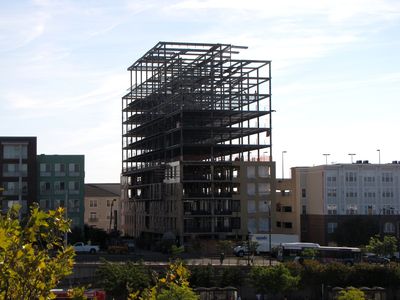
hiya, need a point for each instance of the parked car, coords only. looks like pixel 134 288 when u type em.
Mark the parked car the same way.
pixel 241 251
pixel 376 259
pixel 83 248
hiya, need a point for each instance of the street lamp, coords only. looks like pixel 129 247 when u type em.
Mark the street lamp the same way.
pixel 283 165
pixel 379 155
pixel 269 231
pixel 111 212
pixel 351 154
pixel 326 157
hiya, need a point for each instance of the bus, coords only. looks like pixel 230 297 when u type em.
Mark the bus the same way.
pixel 324 254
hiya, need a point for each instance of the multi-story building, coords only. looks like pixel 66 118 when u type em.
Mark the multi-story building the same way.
pixel 342 198
pixel 18 172
pixel 196 127
pixel 286 213
pixel 61 183
pixel 102 205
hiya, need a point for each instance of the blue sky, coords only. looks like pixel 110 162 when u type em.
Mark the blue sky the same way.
pixel 335 71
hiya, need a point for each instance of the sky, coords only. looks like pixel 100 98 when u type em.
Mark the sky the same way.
pixel 335 72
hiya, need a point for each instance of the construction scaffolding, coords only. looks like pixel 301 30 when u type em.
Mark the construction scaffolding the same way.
pixel 190 112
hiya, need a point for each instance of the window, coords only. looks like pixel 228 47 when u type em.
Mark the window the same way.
pixel 351 176
pixel 387 193
pixel 264 189
pixel 251 206
pixel 14 170
pixel 331 179
pixel 73 186
pixel 263 206
pixel 332 227
pixel 93 216
pixel 59 169
pixel 108 203
pixel 15 151
pixel 278 224
pixel 303 193
pixel 45 186
pixel 287 209
pixel 251 189
pixel 93 203
pixel 331 192
pixel 388 210
pixel 73 169
pixel 389 227
pixel 387 177
pixel 287 224
pixel 332 209
pixel 351 194
pixel 263 224
pixel 304 209
pixel 263 171
pixel 251 172
pixel 369 194
pixel 252 225
pixel 351 209
pixel 59 186
pixel 369 179
pixel 45 169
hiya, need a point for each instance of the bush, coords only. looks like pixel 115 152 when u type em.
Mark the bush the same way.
pixel 273 279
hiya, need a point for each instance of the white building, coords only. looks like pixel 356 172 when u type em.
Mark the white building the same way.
pixel 328 193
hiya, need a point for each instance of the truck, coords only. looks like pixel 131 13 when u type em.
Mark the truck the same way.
pixel 82 248
pixel 262 242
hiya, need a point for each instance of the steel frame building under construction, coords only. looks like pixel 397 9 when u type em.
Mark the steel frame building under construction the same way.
pixel 197 143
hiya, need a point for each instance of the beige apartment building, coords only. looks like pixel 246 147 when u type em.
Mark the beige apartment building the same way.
pixel 102 205
pixel 286 215
pixel 345 204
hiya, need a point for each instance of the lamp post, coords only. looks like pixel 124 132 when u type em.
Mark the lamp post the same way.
pixel 351 155
pixel 111 212
pixel 326 157
pixel 269 231
pixel 283 165
pixel 379 155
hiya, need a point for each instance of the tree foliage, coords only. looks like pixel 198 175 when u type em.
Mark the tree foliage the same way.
pixel 174 285
pixel 386 246
pixel 351 294
pixel 33 259
pixel 273 279
pixel 118 280
pixel 203 276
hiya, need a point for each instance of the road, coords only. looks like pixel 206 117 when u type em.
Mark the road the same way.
pixel 150 257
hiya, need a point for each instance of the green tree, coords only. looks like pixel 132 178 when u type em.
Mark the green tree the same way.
pixel 224 246
pixel 33 259
pixel 174 285
pixel 118 280
pixel 203 276
pixel 386 246
pixel 351 294
pixel 273 279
